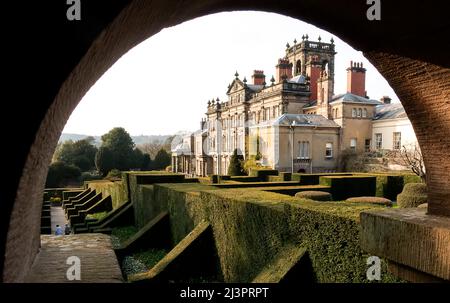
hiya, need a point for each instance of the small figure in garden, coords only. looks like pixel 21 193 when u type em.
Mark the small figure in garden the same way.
pixel 59 231
pixel 67 230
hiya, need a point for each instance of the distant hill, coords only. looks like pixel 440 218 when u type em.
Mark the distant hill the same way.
pixel 142 139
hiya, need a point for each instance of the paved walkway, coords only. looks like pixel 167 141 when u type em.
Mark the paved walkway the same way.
pixel 98 262
pixel 58 217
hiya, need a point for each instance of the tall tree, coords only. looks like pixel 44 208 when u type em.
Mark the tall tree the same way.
pixel 80 153
pixel 104 160
pixel 119 142
pixel 61 173
pixel 162 159
pixel 235 167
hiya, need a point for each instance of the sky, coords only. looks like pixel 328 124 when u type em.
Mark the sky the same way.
pixel 162 85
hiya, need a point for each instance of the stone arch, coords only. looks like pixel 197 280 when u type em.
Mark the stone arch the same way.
pixel 418 75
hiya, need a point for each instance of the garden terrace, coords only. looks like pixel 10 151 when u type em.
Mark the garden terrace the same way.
pixel 244 221
pixel 423 86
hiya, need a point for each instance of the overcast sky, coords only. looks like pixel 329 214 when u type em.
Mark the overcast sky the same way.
pixel 162 85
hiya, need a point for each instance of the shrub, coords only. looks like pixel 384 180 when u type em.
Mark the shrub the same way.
pixel 88 176
pixel 114 174
pixel 274 179
pixel 313 179
pixel 415 188
pixel 169 168
pixel 314 195
pixel 55 200
pixel 235 167
pixel 263 173
pixel 214 179
pixel 374 200
pixel 343 187
pixel 413 195
pixel 285 176
pixel 252 163
pixel 60 174
pixel 97 216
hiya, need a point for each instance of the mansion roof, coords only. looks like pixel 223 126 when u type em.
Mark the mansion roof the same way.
pixel 352 98
pixel 299 120
pixel 348 98
pixel 389 111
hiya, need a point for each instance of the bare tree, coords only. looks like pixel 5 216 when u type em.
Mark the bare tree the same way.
pixel 411 156
pixel 151 148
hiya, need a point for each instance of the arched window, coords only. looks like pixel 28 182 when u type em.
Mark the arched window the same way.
pixel 298 67
pixel 364 113
pixel 353 112
pixel 325 66
pixel 359 112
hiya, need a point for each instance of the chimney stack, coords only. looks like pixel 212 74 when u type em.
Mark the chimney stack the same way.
pixel 386 100
pixel 356 79
pixel 283 70
pixel 258 77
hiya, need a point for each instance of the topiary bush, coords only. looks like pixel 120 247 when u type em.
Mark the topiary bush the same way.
pixel 413 195
pixel 314 195
pixel 374 200
pixel 343 187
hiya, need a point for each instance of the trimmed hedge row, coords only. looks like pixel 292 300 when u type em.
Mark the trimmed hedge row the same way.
pixel 136 179
pixel 255 184
pixel 374 200
pixel 343 187
pixel 118 190
pixel 390 185
pixel 312 179
pixel 248 221
pixel 413 195
pixel 314 195
pixel 263 173
pixel 244 179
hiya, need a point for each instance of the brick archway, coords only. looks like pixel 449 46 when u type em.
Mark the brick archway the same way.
pixel 416 71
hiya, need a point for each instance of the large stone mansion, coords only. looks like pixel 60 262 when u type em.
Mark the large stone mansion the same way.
pixel 295 121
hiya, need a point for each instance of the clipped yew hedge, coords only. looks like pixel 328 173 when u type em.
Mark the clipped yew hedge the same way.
pixel 314 195
pixel 312 179
pixel 343 187
pixel 413 195
pixel 374 200
pixel 263 173
pixel 390 185
pixel 251 227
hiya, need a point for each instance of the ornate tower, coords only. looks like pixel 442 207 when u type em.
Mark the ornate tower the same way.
pixel 324 94
pixel 310 59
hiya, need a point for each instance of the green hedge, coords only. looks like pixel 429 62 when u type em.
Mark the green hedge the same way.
pixel 390 185
pixel 70 193
pixel 312 179
pixel 244 179
pixel 274 179
pixel 293 190
pixel 256 184
pixel 285 176
pixel 374 200
pixel 263 173
pixel 343 187
pixel 413 195
pixel 314 195
pixel 251 227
